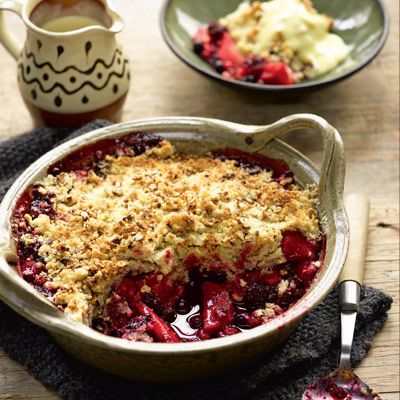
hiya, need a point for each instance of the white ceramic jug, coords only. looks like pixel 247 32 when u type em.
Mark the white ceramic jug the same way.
pixel 71 68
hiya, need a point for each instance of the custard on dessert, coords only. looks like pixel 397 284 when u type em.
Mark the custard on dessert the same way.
pixel 275 42
pixel 145 243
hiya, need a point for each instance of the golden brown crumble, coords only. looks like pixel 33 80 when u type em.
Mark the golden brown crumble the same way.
pixel 149 212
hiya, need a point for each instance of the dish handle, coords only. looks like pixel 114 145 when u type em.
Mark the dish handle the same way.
pixel 333 160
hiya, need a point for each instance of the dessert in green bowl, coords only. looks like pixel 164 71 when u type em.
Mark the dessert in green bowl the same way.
pixel 277 45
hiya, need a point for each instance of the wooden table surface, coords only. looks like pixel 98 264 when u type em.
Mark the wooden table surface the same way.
pixel 364 108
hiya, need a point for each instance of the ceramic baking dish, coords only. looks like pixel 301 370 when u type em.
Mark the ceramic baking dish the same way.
pixel 183 361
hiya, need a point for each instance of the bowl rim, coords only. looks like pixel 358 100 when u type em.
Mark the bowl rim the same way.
pixel 268 87
pixel 43 313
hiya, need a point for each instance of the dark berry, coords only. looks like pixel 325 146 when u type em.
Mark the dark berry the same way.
pixel 136 143
pixel 285 301
pixel 195 321
pixel 29 251
pixel 290 296
pixel 250 78
pixel 139 149
pixel 256 60
pixel 243 163
pixel 197 47
pixel 41 203
pixel 113 332
pixel 257 294
pixel 219 66
pixel 213 60
pixel 152 301
pixel 217 276
pixel 183 306
pixel 215 30
pixel 298 283
pixel 167 314
pixel 241 320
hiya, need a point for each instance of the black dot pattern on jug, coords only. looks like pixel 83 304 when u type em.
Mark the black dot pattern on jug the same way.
pixel 45 77
pixel 72 79
pixel 99 75
pixel 60 50
pixel 85 100
pixel 28 69
pixel 115 88
pixel 58 101
pixel 88 47
pixel 34 94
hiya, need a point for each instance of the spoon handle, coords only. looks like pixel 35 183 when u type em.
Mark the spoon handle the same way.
pixel 357 209
pixel 351 278
pixel 352 275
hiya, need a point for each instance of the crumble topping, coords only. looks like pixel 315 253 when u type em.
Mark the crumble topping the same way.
pixel 287 30
pixel 154 212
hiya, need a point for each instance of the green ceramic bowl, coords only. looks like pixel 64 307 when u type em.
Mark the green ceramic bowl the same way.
pixel 363 25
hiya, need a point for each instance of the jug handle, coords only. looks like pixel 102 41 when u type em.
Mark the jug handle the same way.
pixel 9 41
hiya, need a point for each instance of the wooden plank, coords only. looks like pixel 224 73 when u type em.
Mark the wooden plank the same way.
pixel 17 384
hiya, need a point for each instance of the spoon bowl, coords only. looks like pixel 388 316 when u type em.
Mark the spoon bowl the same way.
pixel 343 384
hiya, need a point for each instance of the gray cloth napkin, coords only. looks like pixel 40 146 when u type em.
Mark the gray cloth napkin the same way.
pixel 312 350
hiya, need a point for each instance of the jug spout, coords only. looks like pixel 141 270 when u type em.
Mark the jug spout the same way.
pixel 117 23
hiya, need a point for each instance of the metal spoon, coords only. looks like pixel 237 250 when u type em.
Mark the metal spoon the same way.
pixel 344 384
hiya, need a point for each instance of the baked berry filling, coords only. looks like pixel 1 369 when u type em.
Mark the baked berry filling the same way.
pixel 154 307
pixel 209 299
pixel 215 45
